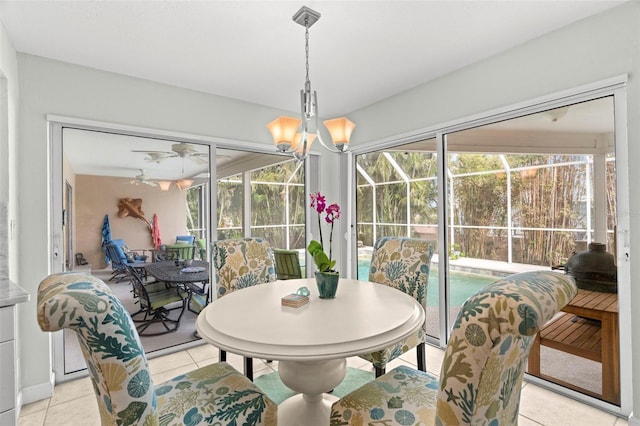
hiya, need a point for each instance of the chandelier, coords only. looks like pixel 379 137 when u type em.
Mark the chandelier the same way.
pixel 295 135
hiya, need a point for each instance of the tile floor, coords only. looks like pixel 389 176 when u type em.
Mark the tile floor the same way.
pixel 73 403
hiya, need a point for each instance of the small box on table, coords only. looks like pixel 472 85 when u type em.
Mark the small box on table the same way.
pixel 294 300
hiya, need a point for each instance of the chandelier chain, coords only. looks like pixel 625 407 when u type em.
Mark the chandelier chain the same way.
pixel 306 47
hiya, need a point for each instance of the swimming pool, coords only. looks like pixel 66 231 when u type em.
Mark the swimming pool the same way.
pixel 463 284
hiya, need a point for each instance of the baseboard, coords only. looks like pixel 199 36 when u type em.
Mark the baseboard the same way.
pixel 37 392
pixel 634 421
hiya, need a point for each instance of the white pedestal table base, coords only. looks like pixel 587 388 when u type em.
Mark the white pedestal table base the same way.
pixel 312 406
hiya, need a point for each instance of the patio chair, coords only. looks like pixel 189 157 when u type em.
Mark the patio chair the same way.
pixel 402 263
pixel 201 245
pixel 119 371
pixel 175 252
pixel 157 302
pixel 185 239
pixel 287 264
pixel 121 257
pixel 483 365
pixel 241 263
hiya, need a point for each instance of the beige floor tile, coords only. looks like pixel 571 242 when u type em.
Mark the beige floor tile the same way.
pixel 68 391
pixel 35 407
pixel 357 362
pixel 78 412
pixel 35 418
pixel 74 402
pixel 204 352
pixel 434 357
pixel 206 362
pixel 552 409
pixel 237 362
pixel 523 421
pixel 170 362
pixel 410 358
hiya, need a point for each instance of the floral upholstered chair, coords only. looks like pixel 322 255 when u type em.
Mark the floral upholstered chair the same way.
pixel 215 394
pixel 241 263
pixel 401 263
pixel 483 365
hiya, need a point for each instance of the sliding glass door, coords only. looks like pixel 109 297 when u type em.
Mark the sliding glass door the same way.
pixel 519 194
pixel 397 195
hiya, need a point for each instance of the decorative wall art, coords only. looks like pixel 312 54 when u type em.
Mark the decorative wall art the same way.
pixel 132 207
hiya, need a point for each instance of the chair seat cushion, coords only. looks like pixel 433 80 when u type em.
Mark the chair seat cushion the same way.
pixel 162 298
pixel 211 394
pixel 403 396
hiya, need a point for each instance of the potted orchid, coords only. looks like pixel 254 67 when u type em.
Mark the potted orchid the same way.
pixel 326 276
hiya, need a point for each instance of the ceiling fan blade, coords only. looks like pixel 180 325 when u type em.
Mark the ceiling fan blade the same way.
pixel 198 160
pixel 153 152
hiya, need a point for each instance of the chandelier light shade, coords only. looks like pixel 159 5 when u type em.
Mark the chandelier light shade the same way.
pixel 340 130
pixel 295 135
pixel 300 150
pixel 164 185
pixel 283 129
pixel 184 183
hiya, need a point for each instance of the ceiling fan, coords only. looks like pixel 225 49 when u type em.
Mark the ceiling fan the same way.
pixel 143 179
pixel 179 150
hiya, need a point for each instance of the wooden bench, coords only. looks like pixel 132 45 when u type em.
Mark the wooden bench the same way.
pixel 588 328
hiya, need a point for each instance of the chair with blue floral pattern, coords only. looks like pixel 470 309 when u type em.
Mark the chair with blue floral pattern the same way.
pixel 241 263
pixel 483 365
pixel 117 364
pixel 401 263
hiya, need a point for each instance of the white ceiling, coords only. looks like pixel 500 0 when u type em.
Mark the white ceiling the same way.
pixel 360 51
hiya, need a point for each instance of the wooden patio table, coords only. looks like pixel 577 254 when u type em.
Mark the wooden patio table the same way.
pixel 593 335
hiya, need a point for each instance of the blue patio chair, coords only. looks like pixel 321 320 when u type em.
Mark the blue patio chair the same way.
pixel 185 239
pixel 121 257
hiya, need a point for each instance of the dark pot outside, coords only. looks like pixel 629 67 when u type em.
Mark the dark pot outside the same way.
pixel 594 269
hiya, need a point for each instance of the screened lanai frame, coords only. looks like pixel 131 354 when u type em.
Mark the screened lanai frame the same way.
pixel 260 186
pixel 611 87
pixel 511 230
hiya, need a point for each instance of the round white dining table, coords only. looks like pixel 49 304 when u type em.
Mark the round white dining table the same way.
pixel 310 342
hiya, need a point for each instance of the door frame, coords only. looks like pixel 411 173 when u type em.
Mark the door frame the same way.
pixel 616 87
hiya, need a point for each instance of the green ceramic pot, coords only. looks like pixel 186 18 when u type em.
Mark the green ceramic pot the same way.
pixel 327 284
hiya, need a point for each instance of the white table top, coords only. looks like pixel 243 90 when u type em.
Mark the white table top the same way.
pixel 362 318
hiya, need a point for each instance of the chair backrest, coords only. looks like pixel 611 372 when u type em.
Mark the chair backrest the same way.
pixel 287 264
pixel 402 263
pixel 139 289
pixel 201 244
pixel 487 353
pixel 118 259
pixel 110 344
pixel 185 239
pixel 241 263
pixel 175 252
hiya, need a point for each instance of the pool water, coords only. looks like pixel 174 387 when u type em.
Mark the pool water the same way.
pixel 463 285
